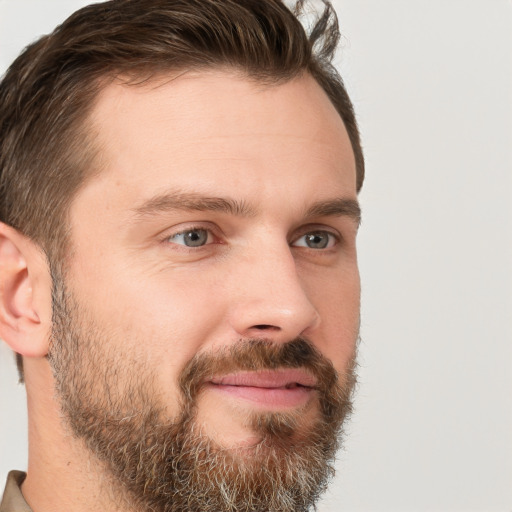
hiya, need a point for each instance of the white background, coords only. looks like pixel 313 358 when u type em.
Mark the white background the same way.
pixel 432 85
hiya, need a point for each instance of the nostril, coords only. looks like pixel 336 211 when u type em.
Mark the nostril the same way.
pixel 264 327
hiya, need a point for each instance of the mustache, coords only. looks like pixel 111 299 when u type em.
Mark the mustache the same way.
pixel 257 355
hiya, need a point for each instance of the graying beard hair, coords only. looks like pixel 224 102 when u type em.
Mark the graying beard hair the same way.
pixel 170 465
pixel 264 478
pixel 295 489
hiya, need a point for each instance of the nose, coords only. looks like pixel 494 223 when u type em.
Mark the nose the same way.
pixel 271 301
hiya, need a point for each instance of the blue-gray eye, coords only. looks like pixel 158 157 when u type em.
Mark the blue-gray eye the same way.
pixel 191 238
pixel 316 240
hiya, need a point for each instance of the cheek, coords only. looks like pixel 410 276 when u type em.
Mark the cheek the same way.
pixel 337 299
pixel 159 319
pixel 177 318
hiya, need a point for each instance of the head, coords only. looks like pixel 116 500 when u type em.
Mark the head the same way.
pixel 168 132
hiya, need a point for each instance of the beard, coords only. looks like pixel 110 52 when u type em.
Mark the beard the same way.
pixel 110 401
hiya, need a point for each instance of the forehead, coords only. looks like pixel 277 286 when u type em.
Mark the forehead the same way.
pixel 204 130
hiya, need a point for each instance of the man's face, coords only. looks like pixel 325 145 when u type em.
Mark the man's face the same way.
pixel 216 248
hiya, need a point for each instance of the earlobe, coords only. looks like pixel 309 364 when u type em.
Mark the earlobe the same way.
pixel 24 314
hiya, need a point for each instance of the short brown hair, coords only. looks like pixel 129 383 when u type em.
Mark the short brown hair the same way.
pixel 46 152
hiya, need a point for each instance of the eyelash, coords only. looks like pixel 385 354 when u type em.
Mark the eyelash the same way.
pixel 332 241
pixel 209 232
pixel 334 238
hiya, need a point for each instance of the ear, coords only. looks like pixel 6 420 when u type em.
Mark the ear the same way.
pixel 25 294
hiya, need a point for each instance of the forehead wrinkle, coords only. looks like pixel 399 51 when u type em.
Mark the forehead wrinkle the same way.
pixel 186 201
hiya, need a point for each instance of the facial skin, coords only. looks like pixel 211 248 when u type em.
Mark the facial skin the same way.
pixel 259 181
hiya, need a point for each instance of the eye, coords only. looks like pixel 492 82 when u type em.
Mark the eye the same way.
pixel 192 237
pixel 316 240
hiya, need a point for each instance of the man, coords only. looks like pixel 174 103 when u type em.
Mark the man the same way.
pixel 179 278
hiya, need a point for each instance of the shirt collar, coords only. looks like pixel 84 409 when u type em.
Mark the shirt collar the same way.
pixel 13 500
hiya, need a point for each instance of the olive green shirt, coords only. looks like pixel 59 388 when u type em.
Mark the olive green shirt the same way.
pixel 13 500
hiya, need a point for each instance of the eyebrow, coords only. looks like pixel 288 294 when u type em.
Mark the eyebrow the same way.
pixel 185 201
pixel 339 207
pixel 192 202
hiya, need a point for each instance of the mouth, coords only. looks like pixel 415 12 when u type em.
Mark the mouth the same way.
pixel 279 389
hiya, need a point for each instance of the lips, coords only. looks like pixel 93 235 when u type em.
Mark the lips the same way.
pixel 267 379
pixel 272 389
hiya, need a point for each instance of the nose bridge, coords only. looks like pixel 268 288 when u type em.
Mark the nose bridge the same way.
pixel 272 301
